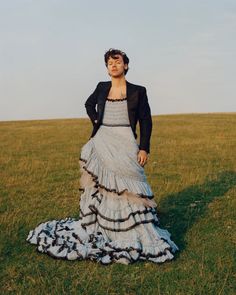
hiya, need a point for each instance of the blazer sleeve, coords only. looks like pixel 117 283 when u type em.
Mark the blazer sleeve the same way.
pixel 145 121
pixel 90 105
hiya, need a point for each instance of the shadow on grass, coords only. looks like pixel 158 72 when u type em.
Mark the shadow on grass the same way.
pixel 184 208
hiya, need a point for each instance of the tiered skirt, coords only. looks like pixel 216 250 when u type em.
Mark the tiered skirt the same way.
pixel 118 219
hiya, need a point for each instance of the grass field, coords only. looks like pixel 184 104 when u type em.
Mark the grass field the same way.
pixel 192 172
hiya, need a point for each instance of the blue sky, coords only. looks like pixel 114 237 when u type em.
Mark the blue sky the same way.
pixel 51 54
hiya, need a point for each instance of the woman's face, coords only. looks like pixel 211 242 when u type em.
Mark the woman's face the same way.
pixel 116 66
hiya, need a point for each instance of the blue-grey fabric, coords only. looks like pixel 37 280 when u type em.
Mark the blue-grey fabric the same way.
pixel 118 219
pixel 116 112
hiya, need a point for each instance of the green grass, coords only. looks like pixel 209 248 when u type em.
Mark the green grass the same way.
pixel 192 173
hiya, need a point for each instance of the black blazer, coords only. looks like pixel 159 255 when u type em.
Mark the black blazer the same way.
pixel 138 110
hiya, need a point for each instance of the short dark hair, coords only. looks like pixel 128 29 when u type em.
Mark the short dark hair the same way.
pixel 112 52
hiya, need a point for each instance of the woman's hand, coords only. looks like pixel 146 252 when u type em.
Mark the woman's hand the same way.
pixel 142 157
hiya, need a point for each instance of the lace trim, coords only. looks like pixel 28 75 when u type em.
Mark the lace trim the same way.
pixel 97 184
pixel 112 255
pixel 117 99
pixel 94 210
pixel 84 225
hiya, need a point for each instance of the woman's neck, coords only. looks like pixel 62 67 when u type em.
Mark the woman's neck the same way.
pixel 118 82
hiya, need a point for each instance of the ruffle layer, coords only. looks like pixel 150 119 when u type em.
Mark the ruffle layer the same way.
pixel 111 228
pixel 109 179
pixel 112 212
pixel 67 239
pixel 88 180
pixel 118 220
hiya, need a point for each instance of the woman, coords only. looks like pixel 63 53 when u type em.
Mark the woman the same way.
pixel 118 218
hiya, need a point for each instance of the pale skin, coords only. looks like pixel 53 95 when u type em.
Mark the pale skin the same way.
pixel 116 68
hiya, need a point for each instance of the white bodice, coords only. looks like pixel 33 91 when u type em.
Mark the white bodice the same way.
pixel 116 112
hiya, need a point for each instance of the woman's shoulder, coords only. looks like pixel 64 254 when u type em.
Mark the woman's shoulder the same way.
pixel 107 83
pixel 136 85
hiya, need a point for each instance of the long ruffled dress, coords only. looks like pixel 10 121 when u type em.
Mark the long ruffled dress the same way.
pixel 118 218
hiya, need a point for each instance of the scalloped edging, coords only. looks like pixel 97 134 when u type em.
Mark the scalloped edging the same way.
pixel 97 184
pixel 116 99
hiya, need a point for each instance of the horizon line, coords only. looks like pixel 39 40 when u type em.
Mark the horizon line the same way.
pixel 71 118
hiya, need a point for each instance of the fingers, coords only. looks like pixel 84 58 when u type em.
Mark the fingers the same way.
pixel 142 160
pixel 142 157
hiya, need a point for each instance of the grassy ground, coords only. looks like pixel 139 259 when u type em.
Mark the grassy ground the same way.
pixel 192 171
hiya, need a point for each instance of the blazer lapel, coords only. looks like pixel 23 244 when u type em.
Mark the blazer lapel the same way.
pixel 131 95
pixel 107 87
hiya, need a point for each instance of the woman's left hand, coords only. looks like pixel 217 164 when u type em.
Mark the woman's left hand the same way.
pixel 142 157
